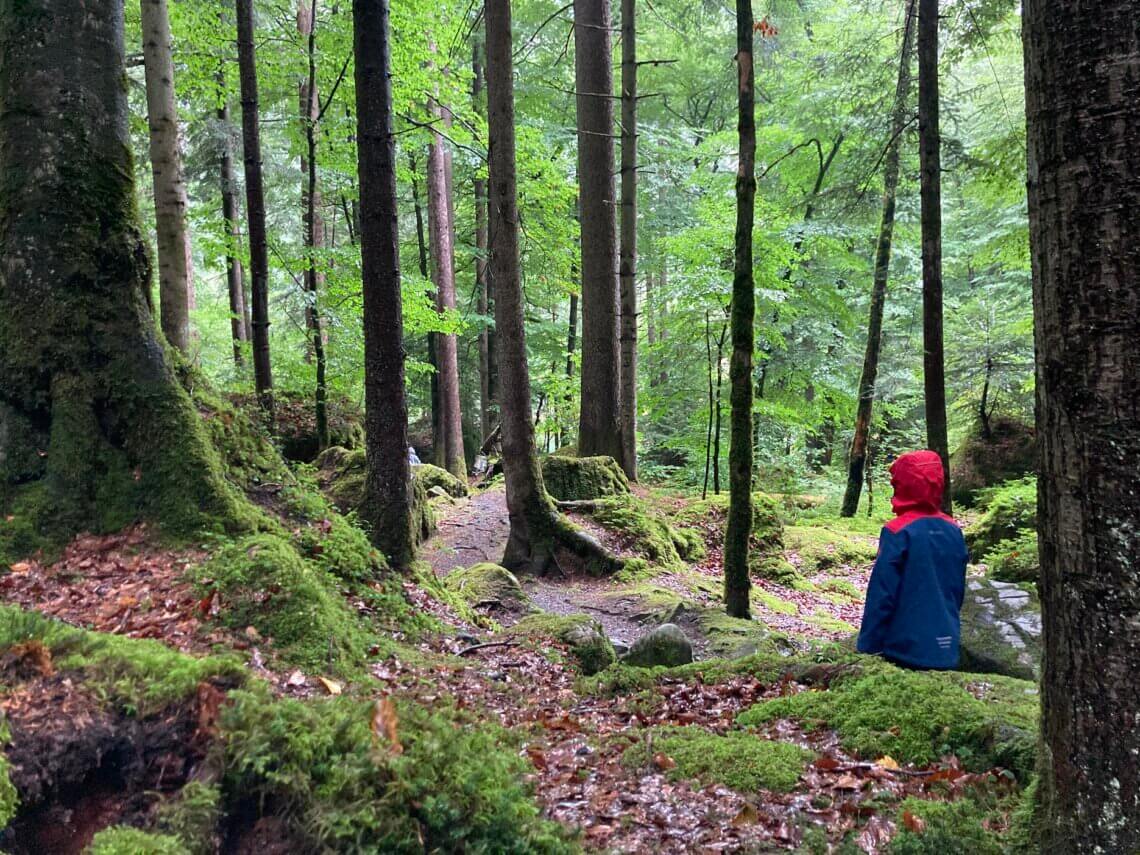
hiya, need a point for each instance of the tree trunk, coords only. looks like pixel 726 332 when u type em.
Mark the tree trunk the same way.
pixel 536 527
pixel 387 483
pixel 239 329
pixel 737 584
pixel 930 159
pixel 1082 79
pixel 571 343
pixel 599 428
pixel 864 410
pixel 314 226
pixel 711 404
pixel 95 431
pixel 175 270
pixel 437 443
pixel 662 332
pixel 628 250
pixel 484 306
pixel 716 428
pixel 441 238
pixel 254 206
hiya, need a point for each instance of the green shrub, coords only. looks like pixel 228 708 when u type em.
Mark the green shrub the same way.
pixel 1007 510
pixel 1015 559
pixel 949 828
pixel 741 761
pixel 193 815
pixel 122 840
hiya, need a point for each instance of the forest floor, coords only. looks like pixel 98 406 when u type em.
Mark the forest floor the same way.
pixel 633 761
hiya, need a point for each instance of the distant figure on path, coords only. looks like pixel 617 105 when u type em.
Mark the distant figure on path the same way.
pixel 915 594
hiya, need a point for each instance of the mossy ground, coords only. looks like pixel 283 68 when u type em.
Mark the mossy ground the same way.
pixel 644 533
pixel 583 635
pixel 820 548
pixel 488 585
pixel 123 840
pixel 738 760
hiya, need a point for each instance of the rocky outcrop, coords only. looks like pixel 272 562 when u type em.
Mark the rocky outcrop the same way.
pixel 1001 629
pixel 666 645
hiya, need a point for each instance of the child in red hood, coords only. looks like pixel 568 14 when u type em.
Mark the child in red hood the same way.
pixel 919 577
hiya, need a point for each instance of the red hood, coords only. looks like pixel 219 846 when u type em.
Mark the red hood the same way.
pixel 919 481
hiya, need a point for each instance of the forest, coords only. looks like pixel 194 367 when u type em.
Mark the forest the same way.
pixel 535 427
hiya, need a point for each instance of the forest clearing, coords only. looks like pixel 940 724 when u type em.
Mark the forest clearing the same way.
pixel 513 427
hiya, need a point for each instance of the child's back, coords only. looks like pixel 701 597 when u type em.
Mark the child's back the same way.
pixel 917 584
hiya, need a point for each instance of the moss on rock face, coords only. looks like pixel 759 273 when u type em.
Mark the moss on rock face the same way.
pixel 741 761
pixel 708 518
pixel 644 533
pixel 917 716
pixel 489 585
pixel 1008 510
pixel 433 476
pixel 663 646
pixel 980 463
pixel 583 635
pixel 570 479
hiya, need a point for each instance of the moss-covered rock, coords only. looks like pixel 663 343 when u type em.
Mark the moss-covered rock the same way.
pixel 740 761
pixel 1007 510
pixel 663 646
pixel 584 636
pixel 709 517
pixel 295 422
pixel 917 717
pixel 433 476
pixel 732 637
pixel 490 586
pixel 643 532
pixel 570 479
pixel 820 549
pixel 1001 629
pixel 979 463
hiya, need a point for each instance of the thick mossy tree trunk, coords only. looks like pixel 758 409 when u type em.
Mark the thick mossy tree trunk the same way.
pixel 628 249
pixel 865 409
pixel 175 270
pixel 95 431
pixel 388 479
pixel 599 429
pixel 537 529
pixel 737 584
pixel 1082 80
pixel 930 160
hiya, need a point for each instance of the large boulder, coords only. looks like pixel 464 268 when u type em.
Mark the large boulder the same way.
pixel 434 476
pixel 581 634
pixel 1001 629
pixel 491 587
pixel 571 479
pixel 665 645
pixel 980 462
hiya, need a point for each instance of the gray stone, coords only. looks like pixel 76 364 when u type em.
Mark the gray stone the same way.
pixel 666 645
pixel 1001 629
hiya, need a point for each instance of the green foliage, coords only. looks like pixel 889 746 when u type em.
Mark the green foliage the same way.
pixel 583 635
pixel 343 787
pixel 570 479
pixel 192 815
pixel 949 828
pixel 917 717
pixel 740 761
pixel 9 798
pixel 1015 559
pixel 123 840
pixel 1006 511
pixel 141 675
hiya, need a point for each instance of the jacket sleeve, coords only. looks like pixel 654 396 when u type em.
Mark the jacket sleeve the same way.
pixel 882 592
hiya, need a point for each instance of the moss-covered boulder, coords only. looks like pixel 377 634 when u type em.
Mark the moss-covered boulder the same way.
pixel 340 475
pixel 571 479
pixel 709 517
pixel 1010 452
pixel 1007 510
pixel 821 549
pixel 665 645
pixel 294 424
pixel 491 587
pixel 640 531
pixel 582 635
pixel 434 476
pixel 1001 629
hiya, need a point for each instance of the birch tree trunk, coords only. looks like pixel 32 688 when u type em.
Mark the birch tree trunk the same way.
pixel 628 250
pixel 388 481
pixel 857 460
pixel 1082 81
pixel 175 269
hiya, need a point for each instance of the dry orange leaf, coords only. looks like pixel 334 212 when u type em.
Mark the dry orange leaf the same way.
pixel 331 686
pixel 748 816
pixel 384 722
pixel 913 823
pixel 664 762
pixel 21 567
pixel 888 762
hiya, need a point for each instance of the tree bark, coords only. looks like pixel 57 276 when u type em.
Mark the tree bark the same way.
pixel 235 285
pixel 930 160
pixel 388 481
pixel 254 206
pixel 599 428
pixel 486 424
pixel 95 431
pixel 716 427
pixel 437 443
pixel 737 584
pixel 1082 79
pixel 711 405
pixel 628 249
pixel 175 269
pixel 314 225
pixel 441 237
pixel 857 460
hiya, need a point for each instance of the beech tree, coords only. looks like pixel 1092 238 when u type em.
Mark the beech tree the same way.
pixel 737 582
pixel 175 268
pixel 599 429
pixel 95 431
pixel 1082 91
pixel 388 481
pixel 235 280
pixel 628 248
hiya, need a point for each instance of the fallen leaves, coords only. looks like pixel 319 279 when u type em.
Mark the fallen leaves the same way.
pixel 384 725
pixel 331 686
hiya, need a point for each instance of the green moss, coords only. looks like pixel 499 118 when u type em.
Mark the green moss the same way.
pixel 433 476
pixel 141 675
pixel 1015 559
pixel 821 549
pixel 248 455
pixel 21 534
pixel 843 588
pixel 456 786
pixel 918 716
pixel 740 761
pixel 123 840
pixel 708 518
pixel 9 798
pixel 488 584
pixel 642 532
pixel 263 582
pixel 570 479
pixel 729 636
pixel 771 603
pixel 949 828
pixel 193 815
pixel 583 635
pixel 1008 510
